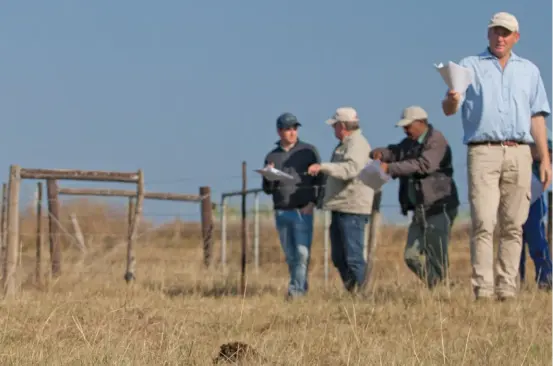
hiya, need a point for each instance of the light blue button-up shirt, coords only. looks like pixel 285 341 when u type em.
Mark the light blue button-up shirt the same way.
pixel 500 103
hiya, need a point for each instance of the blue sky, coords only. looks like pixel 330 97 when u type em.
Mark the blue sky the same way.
pixel 186 90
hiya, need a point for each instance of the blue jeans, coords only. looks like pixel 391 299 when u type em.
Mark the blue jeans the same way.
pixel 534 235
pixel 295 231
pixel 347 238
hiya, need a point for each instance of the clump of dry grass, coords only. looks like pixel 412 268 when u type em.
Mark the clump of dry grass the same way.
pixel 179 313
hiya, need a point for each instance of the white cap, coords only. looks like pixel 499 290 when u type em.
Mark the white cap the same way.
pixel 411 114
pixel 343 114
pixel 505 20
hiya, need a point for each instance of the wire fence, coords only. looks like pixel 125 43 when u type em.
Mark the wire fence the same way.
pixel 82 224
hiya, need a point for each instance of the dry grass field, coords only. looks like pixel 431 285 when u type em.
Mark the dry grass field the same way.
pixel 177 313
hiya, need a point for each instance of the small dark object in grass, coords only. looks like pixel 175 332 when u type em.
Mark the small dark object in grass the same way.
pixel 235 352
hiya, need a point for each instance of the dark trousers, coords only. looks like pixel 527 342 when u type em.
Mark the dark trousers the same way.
pixel 535 236
pixel 347 237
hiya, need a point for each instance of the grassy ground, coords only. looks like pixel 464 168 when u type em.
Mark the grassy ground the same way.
pixel 180 314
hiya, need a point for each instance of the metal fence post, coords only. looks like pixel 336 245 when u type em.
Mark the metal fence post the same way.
pixel 326 238
pixel 223 214
pixel 256 231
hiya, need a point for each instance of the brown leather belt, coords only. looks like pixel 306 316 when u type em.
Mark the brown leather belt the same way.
pixel 495 143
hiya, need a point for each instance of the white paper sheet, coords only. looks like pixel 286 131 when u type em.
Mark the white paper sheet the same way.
pixel 536 189
pixel 456 77
pixel 272 174
pixel 373 176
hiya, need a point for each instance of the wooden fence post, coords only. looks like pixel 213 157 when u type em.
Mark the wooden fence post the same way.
pixel 38 269
pixel 131 259
pixel 373 236
pixel 130 214
pixel 3 224
pixel 244 230
pixel 10 262
pixel 53 225
pixel 207 224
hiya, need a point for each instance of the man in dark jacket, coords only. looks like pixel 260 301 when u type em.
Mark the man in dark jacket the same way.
pixel 294 201
pixel 423 164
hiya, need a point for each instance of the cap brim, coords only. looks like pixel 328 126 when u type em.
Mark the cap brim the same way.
pixel 506 26
pixel 297 124
pixel 404 122
pixel 332 121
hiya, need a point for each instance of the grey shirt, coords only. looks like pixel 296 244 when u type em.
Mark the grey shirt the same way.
pixel 305 188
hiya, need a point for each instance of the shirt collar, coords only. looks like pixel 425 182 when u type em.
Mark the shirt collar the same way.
pixel 355 132
pixel 421 137
pixel 487 55
pixel 290 148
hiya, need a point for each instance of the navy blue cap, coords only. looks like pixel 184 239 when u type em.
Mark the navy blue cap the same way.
pixel 287 120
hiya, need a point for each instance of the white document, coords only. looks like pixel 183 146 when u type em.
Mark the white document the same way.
pixel 272 174
pixel 373 176
pixel 456 77
pixel 536 189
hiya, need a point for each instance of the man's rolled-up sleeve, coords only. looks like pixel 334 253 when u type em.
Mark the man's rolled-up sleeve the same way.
pixel 539 104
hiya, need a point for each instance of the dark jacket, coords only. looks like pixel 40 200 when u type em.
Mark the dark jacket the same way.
pixel 305 188
pixel 429 164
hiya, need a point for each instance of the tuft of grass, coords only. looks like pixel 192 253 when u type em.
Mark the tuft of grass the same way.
pixel 179 313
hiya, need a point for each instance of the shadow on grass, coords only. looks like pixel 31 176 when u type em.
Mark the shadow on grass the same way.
pixel 213 291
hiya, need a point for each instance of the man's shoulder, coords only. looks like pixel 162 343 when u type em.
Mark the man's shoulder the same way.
pixel 471 60
pixel 306 145
pixel 359 138
pixel 274 150
pixel 437 136
pixel 528 65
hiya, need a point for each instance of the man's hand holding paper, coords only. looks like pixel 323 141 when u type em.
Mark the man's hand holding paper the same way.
pixel 457 78
pixel 272 174
pixel 373 175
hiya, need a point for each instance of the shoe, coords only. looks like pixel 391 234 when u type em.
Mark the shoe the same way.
pixel 505 298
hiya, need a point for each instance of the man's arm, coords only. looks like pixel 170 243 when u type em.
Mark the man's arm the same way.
pixel 318 180
pixel 428 162
pixel 539 107
pixel 267 186
pixel 387 154
pixel 355 157
pixel 450 105
pixel 538 130
pixel 453 100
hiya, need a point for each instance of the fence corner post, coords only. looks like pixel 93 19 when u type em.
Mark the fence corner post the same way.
pixel 207 224
pixel 10 260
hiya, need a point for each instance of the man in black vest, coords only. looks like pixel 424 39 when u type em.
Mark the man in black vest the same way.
pixel 423 163
pixel 294 200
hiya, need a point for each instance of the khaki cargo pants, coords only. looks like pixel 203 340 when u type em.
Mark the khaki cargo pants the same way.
pixel 499 179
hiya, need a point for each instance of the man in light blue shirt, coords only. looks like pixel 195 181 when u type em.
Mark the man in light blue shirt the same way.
pixel 503 111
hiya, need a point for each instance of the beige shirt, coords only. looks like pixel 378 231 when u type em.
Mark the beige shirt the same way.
pixel 344 192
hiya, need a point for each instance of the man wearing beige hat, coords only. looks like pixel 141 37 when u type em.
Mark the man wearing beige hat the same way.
pixel 347 198
pixel 423 163
pixel 503 111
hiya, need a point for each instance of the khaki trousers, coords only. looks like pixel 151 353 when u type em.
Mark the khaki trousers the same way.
pixel 499 180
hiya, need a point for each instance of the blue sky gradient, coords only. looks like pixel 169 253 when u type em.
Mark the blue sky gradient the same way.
pixel 186 90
